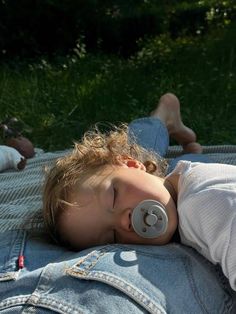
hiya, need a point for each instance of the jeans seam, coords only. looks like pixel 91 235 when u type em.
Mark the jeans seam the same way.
pixel 42 301
pixel 137 295
pixel 195 290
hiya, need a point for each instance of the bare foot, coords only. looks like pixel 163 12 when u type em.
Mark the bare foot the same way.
pixel 192 148
pixel 168 111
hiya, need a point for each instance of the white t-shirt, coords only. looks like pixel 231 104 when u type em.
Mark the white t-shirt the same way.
pixel 207 212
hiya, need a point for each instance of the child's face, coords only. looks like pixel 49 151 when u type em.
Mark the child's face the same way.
pixel 104 203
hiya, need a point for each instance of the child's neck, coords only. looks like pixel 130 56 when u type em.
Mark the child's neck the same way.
pixel 171 184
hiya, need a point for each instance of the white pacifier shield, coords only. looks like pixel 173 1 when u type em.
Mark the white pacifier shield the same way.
pixel 149 219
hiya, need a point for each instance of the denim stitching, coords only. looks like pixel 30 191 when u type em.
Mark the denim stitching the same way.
pixel 88 261
pixel 39 301
pixel 188 266
pixel 137 295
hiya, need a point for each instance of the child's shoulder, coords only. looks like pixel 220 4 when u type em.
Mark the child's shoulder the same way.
pixel 185 167
pixel 182 167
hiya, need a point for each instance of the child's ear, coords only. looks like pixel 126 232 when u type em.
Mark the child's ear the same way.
pixel 132 163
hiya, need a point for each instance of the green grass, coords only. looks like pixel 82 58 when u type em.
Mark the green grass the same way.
pixel 60 99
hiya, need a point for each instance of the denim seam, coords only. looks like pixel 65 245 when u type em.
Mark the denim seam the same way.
pixel 195 290
pixel 88 261
pixel 13 275
pixel 124 286
pixel 10 271
pixel 39 301
pixel 13 301
pixel 224 284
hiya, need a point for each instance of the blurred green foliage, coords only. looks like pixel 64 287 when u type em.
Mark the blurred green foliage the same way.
pixel 72 77
pixel 30 28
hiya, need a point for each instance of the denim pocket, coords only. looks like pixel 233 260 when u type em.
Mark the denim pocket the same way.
pixel 88 268
pixel 169 279
pixel 12 245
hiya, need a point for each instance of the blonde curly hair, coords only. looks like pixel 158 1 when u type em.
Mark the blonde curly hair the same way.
pixel 95 150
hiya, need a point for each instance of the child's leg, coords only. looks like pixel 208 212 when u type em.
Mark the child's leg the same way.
pixel 153 132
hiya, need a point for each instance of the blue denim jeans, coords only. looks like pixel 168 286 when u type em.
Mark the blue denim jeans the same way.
pixel 150 133
pixel 109 279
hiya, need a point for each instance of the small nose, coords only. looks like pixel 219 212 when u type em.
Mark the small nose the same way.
pixel 124 220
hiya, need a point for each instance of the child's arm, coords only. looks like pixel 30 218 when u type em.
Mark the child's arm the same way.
pixel 11 158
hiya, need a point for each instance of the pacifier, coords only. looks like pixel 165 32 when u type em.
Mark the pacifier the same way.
pixel 149 219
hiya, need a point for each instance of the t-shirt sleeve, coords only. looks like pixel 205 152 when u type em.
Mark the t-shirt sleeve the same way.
pixel 207 212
